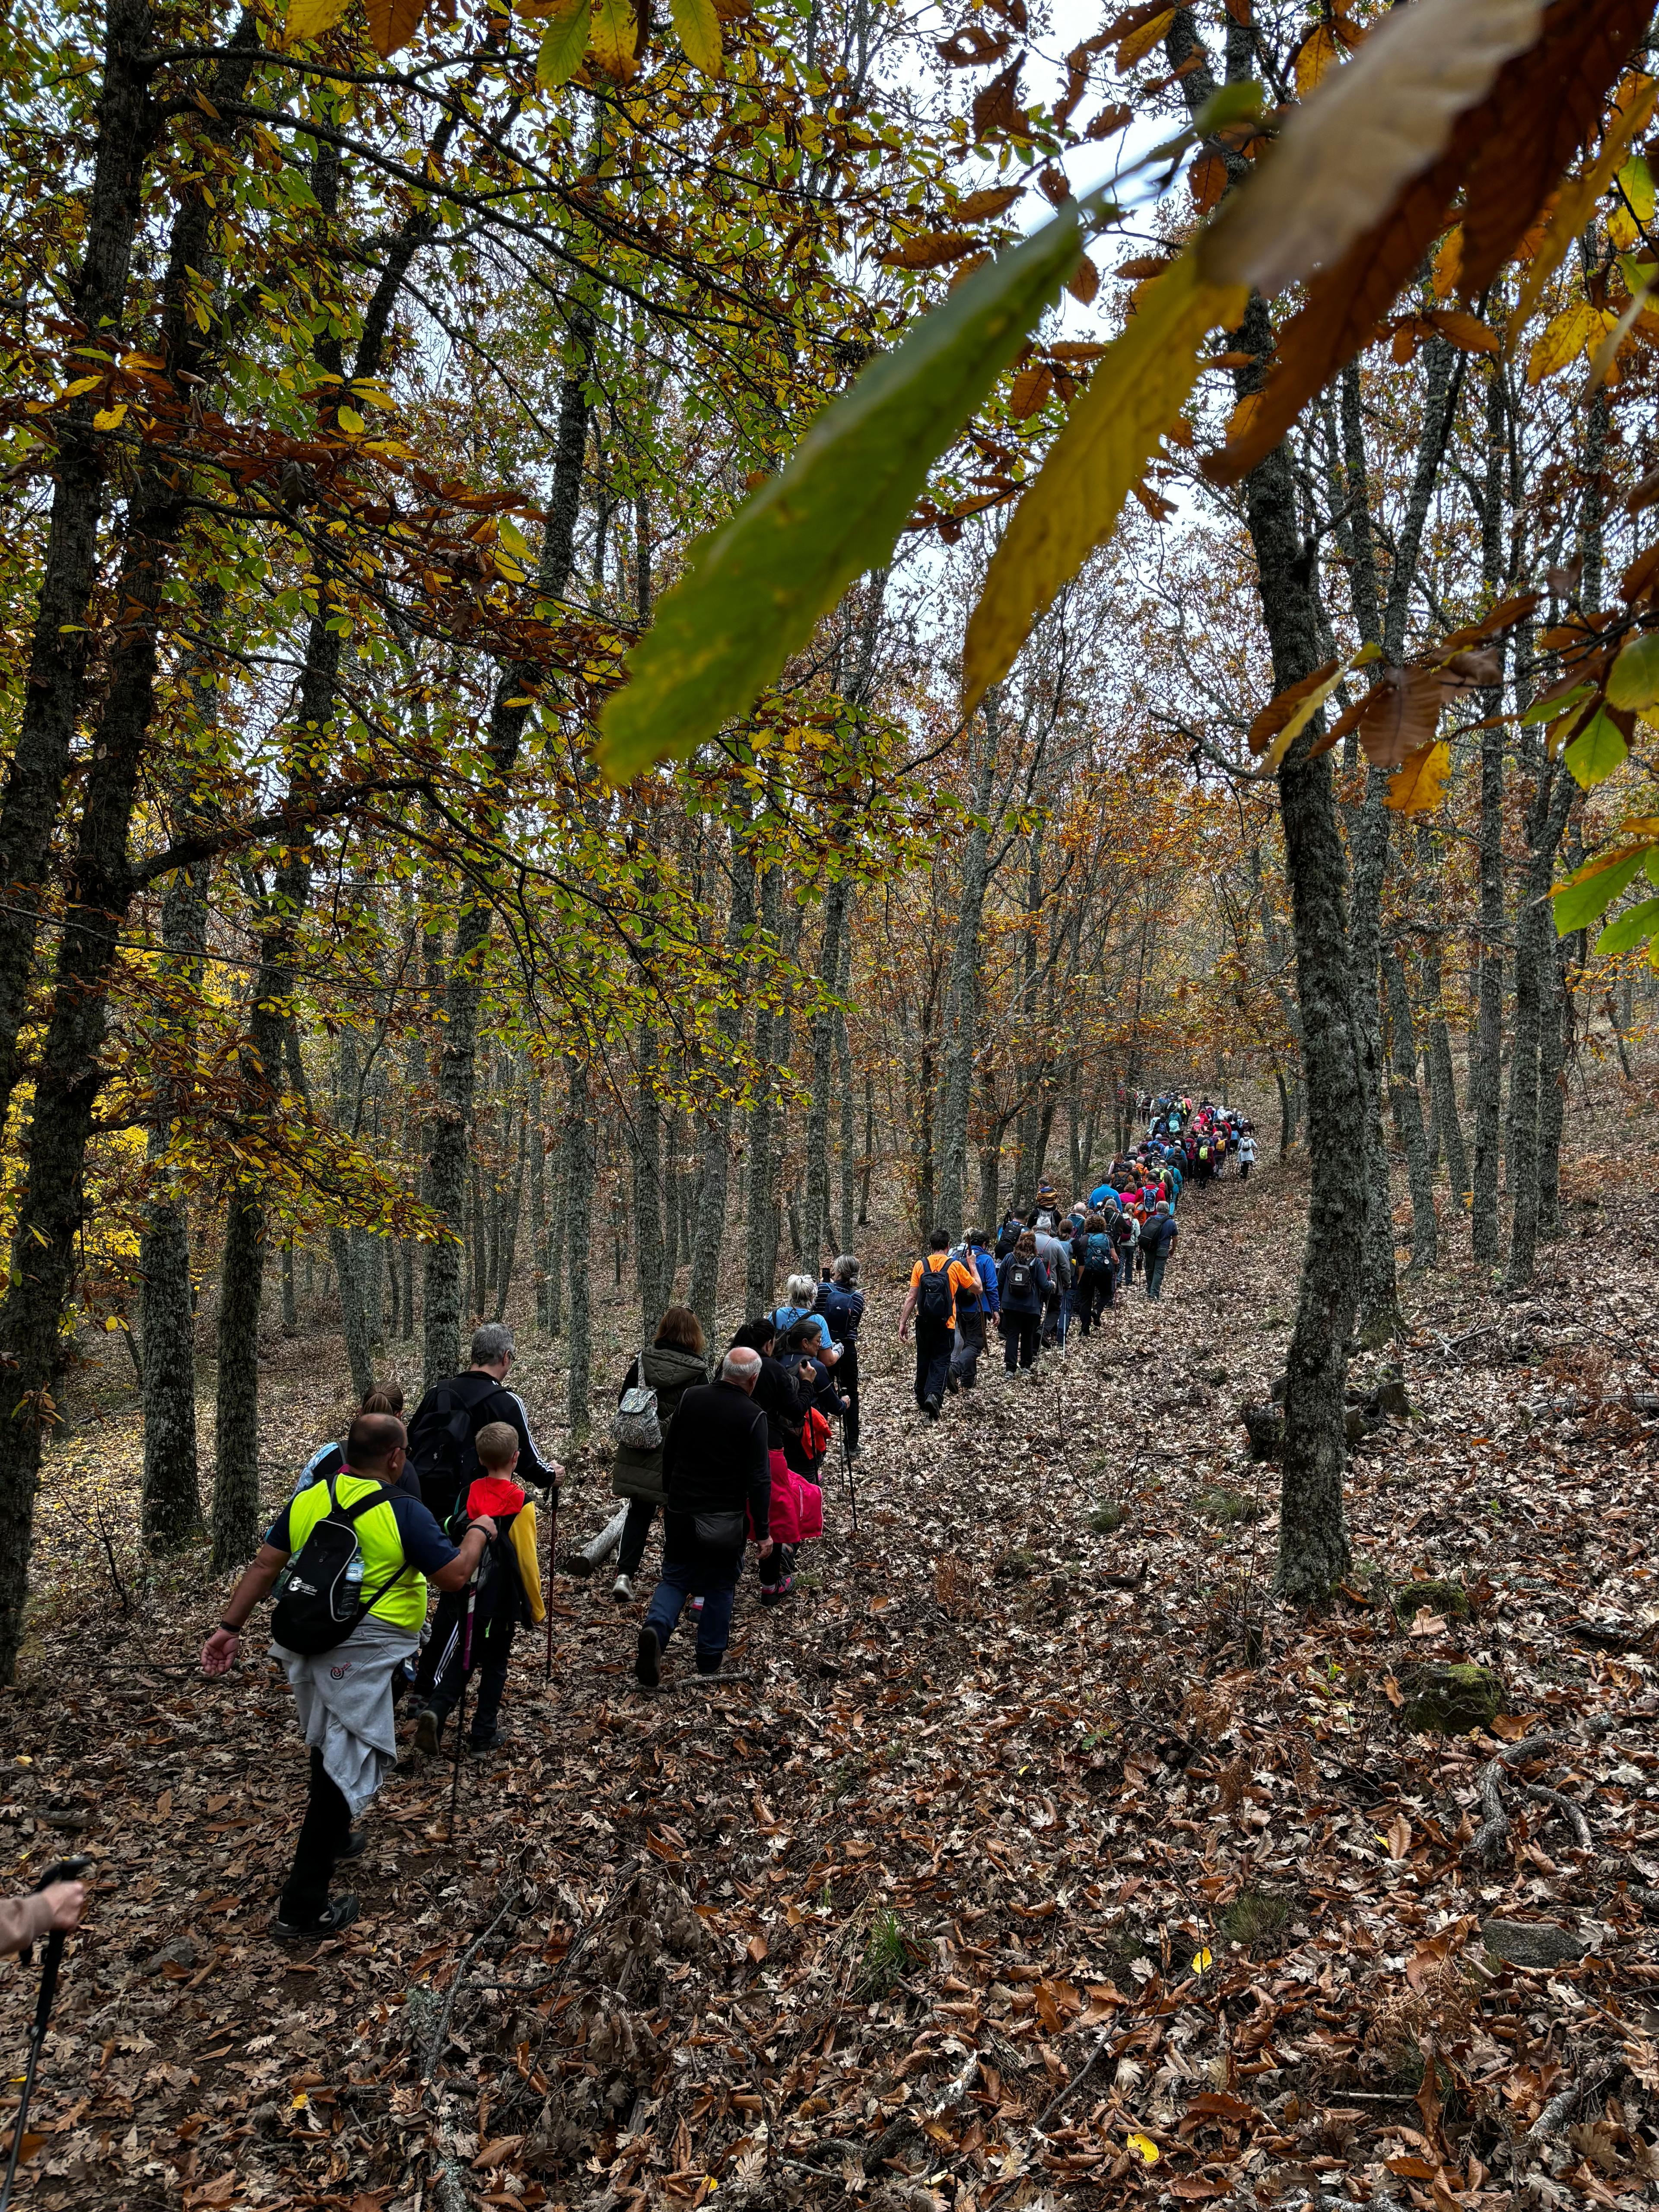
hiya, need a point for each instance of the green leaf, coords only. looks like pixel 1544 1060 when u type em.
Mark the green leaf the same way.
pixel 1135 394
pixel 1595 752
pixel 698 30
pixel 757 587
pixel 1635 678
pixel 1579 903
pixel 1546 710
pixel 564 43
pixel 1634 927
pixel 1229 103
pixel 1637 179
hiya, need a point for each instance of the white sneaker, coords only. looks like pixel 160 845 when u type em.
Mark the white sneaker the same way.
pixel 623 1590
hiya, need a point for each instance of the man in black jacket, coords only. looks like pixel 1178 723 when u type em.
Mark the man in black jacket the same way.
pixel 717 1481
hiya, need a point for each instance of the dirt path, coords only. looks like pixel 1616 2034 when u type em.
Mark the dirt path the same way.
pixel 979 1878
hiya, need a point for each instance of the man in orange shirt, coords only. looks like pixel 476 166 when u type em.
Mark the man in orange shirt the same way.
pixel 932 1299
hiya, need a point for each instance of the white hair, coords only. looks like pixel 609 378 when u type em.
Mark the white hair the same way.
pixel 741 1365
pixel 800 1291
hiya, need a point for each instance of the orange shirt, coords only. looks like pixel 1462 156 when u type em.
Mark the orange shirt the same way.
pixel 960 1278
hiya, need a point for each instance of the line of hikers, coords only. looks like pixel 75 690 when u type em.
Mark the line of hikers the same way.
pixel 729 1456
pixel 727 1461
pixel 1049 1265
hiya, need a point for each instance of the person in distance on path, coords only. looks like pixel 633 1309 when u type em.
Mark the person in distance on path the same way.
pixel 932 1299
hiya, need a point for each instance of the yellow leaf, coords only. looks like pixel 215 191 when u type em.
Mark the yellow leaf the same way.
pixel 698 29
pixel 1636 182
pixel 1566 336
pixel 1448 263
pixel 1623 229
pixel 563 42
pixel 1310 705
pixel 1319 53
pixel 350 419
pixel 309 18
pixel 1145 2149
pixel 1201 1959
pixel 1572 210
pixel 393 23
pixel 613 35
pixel 81 384
pixel 1343 160
pixel 1419 782
pixel 110 418
pixel 1135 395
pixel 1138 44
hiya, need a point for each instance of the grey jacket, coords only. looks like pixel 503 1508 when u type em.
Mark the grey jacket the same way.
pixel 671 1373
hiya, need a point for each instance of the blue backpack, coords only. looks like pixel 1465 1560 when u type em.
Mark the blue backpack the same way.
pixel 1097 1254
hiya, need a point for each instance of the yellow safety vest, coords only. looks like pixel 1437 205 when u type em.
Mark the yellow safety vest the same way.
pixel 402 1605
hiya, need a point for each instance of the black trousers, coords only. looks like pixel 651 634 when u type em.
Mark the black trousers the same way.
pixel 1094 1296
pixel 323 1836
pixel 637 1526
pixel 932 1361
pixel 845 1376
pixel 492 1647
pixel 1020 1334
pixel 446 1623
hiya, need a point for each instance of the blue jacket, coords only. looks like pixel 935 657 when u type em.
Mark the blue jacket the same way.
pixel 985 1266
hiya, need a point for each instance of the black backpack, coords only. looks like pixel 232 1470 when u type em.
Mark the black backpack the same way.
pixel 934 1299
pixel 321 1603
pixel 441 1439
pixel 1020 1277
pixel 1149 1232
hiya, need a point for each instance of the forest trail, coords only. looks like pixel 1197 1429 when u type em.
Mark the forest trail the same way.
pixel 977 1875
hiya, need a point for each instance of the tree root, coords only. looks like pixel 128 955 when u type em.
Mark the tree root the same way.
pixel 1559 2109
pixel 1493 1831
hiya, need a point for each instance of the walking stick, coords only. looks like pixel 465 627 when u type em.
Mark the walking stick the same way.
pixel 64 1870
pixel 551 1553
pixel 460 1710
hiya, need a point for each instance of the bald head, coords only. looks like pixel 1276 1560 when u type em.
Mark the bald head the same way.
pixel 741 1367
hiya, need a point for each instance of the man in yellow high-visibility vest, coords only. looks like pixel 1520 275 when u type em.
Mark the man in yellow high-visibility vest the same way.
pixel 344 1694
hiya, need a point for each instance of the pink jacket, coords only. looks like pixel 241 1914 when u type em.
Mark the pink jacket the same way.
pixel 797 1505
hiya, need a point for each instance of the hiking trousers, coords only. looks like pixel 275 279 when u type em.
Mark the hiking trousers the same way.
pixel 1094 1296
pixel 1156 1263
pixel 845 1376
pixel 933 1346
pixel 323 1836
pixel 1020 1334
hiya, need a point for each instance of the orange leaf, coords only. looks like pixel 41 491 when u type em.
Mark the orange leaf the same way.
pixel 1085 281
pixel 1208 179
pixel 1030 388
pixel 1280 708
pixel 393 23
pixel 1402 712
pixel 1468 332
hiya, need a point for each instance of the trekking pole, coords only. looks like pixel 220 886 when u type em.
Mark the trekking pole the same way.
pixel 62 1870
pixel 848 1477
pixel 552 1553
pixel 460 1710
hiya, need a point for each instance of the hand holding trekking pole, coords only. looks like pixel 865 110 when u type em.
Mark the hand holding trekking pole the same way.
pixel 66 1895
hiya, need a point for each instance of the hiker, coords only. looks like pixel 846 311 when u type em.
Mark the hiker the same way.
pixel 1157 1238
pixel 1057 1261
pixel 840 1302
pixel 1013 1226
pixel 329 1458
pixel 973 1314
pixel 801 1293
pixel 805 1446
pixel 797 1506
pixel 1246 1153
pixel 507 1597
pixel 1022 1289
pixel 343 1694
pixel 447 1420
pixel 671 1364
pixel 717 1486
pixel 1045 1214
pixel 443 1441
pixel 935 1283
pixel 24 1920
pixel 1097 1272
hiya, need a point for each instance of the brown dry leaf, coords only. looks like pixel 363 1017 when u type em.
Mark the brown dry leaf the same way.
pixel 980 207
pixel 929 249
pixel 1465 330
pixel 1207 179
pixel 1029 391
pixel 1109 120
pixel 393 23
pixel 1343 162
pixel 1084 281
pixel 1401 715
pixel 1280 708
pixel 996 104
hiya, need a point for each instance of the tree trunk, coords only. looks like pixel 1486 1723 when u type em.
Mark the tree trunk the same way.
pixel 760 1259
pixel 578 1210
pixel 816 1229
pixel 1554 1049
pixel 709 1237
pixel 538 1220
pixel 1408 1106
pixel 1487 1073
pixel 644 1149
pixel 962 982
pixel 510 1219
pixel 1534 981
pixel 516 689
pixel 51 703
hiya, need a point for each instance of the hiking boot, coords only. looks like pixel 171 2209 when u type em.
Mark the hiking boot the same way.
pixel 427 1728
pixel 709 1666
pixel 930 1407
pixel 622 1589
pixel 647 1660
pixel 339 1913
pixel 490 1742
pixel 353 1846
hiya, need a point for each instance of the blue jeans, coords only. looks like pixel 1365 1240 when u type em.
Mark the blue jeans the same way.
pixel 688 1568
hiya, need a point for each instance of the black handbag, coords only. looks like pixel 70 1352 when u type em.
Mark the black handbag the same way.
pixel 720 1532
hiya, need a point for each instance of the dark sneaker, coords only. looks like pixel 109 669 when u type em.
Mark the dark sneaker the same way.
pixel 709 1666
pixel 647 1661
pixel 490 1742
pixel 353 1846
pixel 426 1732
pixel 339 1914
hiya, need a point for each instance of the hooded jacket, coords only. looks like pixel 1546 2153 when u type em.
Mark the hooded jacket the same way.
pixel 671 1372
